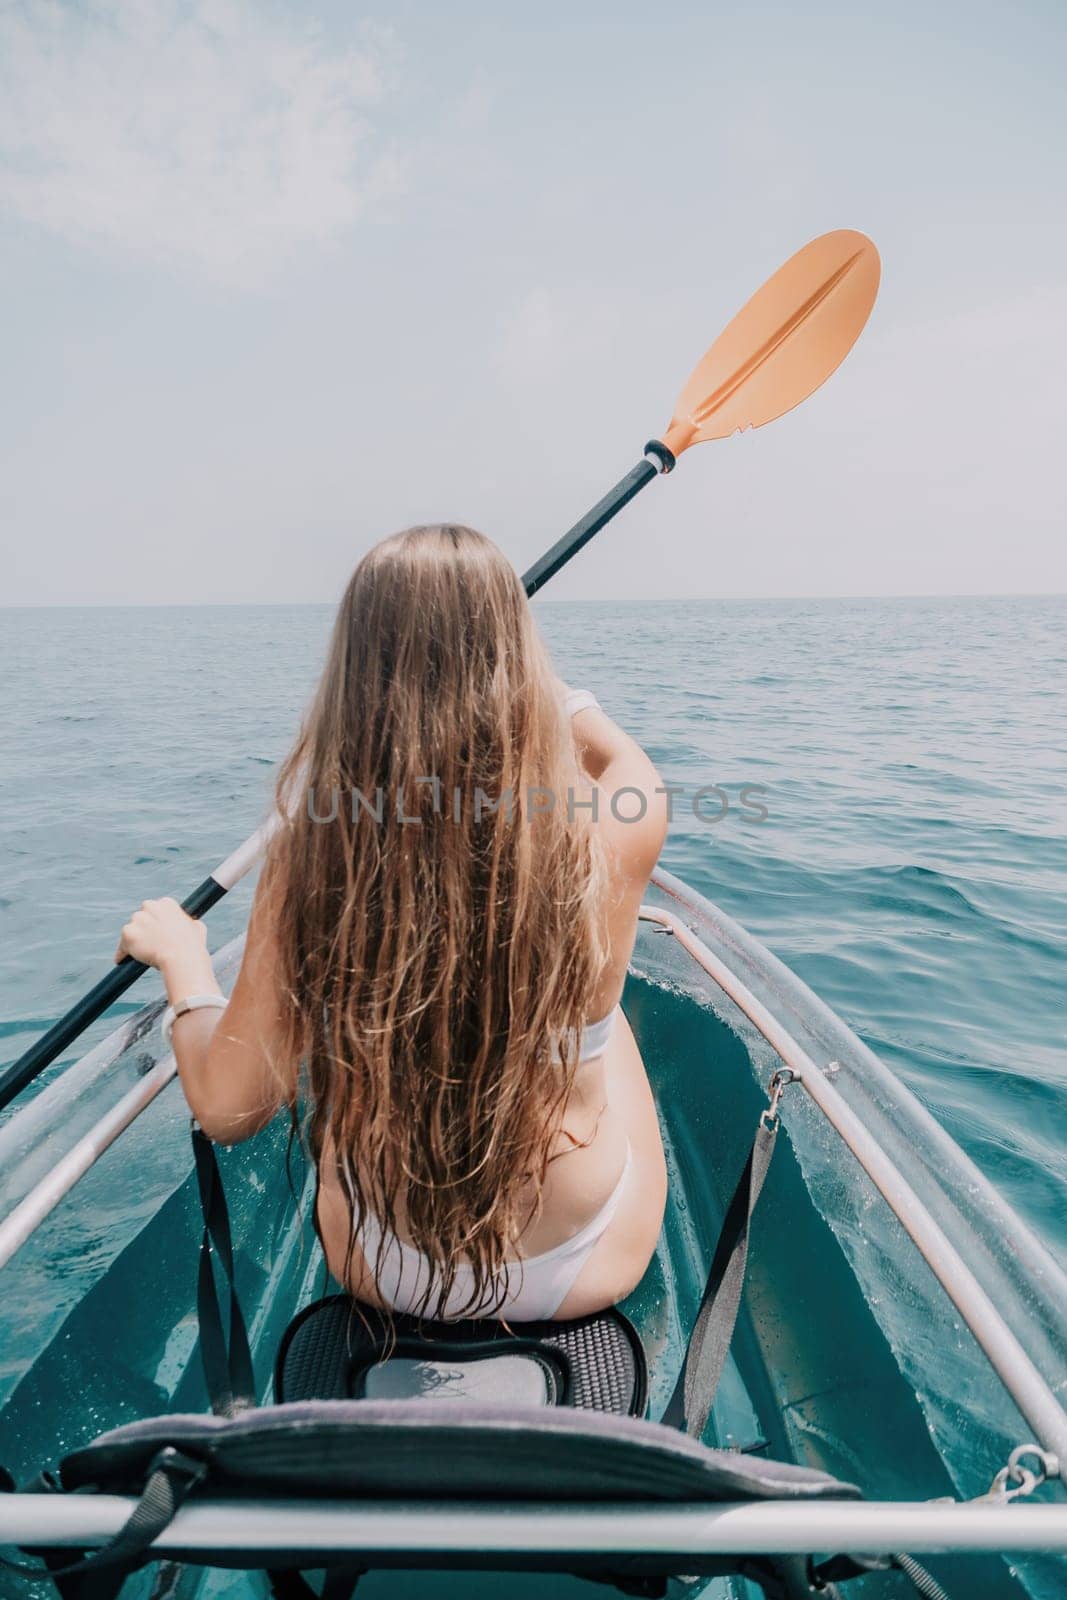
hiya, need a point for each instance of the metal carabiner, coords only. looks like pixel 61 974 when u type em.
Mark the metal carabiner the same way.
pixel 1022 1482
pixel 1015 1480
pixel 780 1081
pixel 1048 1464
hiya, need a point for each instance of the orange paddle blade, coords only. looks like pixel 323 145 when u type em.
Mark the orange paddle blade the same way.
pixel 783 344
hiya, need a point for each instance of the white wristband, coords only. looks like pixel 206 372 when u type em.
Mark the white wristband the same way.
pixel 195 1002
pixel 576 700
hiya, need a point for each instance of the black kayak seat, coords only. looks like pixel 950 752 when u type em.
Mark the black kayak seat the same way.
pixel 371 1406
pixel 370 1449
pixel 338 1349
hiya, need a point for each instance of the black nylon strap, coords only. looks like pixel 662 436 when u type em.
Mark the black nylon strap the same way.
pixel 286 1584
pixel 690 1405
pixel 228 1371
pixel 172 1477
pixel 339 1584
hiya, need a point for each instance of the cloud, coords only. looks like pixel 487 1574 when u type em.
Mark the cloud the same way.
pixel 548 334
pixel 217 135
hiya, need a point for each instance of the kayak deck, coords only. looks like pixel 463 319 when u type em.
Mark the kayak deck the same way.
pixel 848 1355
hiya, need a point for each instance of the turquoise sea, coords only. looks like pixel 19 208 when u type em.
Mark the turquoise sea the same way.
pixel 912 865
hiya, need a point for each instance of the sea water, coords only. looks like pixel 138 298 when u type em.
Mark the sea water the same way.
pixel 876 788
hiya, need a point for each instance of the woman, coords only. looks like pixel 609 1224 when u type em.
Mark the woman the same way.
pixel 435 957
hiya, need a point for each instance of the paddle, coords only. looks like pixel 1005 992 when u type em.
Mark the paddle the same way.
pixel 780 347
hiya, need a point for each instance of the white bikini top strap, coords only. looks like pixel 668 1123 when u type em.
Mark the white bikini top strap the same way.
pixel 595 1036
pixel 593 1039
pixel 576 700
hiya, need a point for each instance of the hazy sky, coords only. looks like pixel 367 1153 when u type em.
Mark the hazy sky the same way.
pixel 278 279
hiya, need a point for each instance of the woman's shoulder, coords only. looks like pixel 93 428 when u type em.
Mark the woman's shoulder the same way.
pixel 625 796
pixel 632 813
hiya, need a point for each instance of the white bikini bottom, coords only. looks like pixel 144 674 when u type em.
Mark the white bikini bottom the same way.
pixel 533 1289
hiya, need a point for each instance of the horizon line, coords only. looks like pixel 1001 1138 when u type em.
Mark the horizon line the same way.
pixel 666 600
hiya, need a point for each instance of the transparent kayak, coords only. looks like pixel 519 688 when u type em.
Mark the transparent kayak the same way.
pixel 901 1328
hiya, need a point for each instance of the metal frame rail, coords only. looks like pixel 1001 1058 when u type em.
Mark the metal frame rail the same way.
pixel 23 1220
pixel 464 1535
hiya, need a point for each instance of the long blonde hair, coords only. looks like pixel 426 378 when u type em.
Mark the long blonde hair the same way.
pixel 438 947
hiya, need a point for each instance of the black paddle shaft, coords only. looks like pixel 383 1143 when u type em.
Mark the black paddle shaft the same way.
pixel 22 1072
pixel 580 535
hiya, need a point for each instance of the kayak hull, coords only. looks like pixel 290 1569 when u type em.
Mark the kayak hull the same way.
pixel 818 1373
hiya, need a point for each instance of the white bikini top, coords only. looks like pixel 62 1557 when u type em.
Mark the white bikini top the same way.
pixel 576 700
pixel 595 1036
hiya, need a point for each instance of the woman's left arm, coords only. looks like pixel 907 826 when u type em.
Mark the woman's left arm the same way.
pixel 223 1056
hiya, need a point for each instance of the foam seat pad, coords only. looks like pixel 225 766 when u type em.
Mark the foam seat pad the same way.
pixel 412 1448
pixel 339 1349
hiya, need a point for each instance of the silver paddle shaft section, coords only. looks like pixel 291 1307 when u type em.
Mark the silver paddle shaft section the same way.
pixel 241 861
pixel 461 1534
pixel 1009 1360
